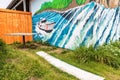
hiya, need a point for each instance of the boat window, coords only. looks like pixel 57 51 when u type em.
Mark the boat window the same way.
pixel 43 21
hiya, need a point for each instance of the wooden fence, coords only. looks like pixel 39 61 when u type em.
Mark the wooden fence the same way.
pixel 15 22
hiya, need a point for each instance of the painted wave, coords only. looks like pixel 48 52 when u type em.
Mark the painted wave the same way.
pixel 91 24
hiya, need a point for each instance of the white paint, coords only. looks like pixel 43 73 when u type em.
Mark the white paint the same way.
pixel 4 3
pixel 36 5
pixel 78 73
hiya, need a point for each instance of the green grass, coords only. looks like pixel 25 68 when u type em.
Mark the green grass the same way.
pixel 55 4
pixel 2 47
pixel 21 64
pixel 103 61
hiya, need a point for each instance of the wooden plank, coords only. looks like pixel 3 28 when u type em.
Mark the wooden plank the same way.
pixel 19 27
pixel 23 19
pixel 15 26
pixel 26 27
pixel 29 18
pixel 3 25
pixel 8 26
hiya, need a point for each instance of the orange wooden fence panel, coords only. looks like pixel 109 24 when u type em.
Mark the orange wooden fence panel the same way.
pixel 15 22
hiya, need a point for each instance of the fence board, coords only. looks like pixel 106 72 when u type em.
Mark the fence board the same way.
pixel 15 22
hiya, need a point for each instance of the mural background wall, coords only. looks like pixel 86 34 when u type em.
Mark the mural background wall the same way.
pixel 82 24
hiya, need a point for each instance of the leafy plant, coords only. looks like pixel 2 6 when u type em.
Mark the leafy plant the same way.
pixel 107 54
pixel 2 46
pixel 116 44
pixel 84 54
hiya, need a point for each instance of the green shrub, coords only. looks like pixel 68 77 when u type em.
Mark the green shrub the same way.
pixel 107 54
pixel 116 44
pixel 2 46
pixel 84 54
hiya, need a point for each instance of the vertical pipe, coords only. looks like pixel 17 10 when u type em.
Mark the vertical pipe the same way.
pixel 24 5
pixel 23 39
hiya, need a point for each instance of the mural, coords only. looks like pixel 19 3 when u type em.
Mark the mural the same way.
pixel 107 3
pixel 90 24
pixel 55 4
pixel 67 4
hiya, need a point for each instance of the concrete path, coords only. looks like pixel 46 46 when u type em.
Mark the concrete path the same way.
pixel 78 73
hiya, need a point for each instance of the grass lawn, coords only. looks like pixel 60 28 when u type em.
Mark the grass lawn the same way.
pixel 109 71
pixel 22 64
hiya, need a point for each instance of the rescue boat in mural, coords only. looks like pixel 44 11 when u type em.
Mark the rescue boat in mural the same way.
pixel 45 26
